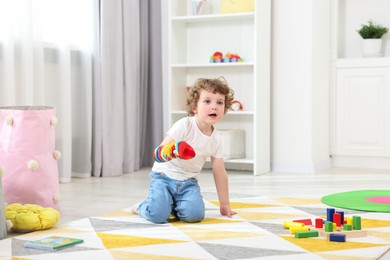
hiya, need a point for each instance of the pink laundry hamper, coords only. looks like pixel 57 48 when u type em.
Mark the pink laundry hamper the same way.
pixel 28 156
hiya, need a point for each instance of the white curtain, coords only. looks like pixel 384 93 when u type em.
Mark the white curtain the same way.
pixel 45 59
pixel 128 120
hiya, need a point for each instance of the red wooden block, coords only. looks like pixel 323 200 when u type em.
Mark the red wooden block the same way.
pixel 337 219
pixel 319 223
pixel 304 221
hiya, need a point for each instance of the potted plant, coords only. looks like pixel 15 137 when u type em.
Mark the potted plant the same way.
pixel 372 38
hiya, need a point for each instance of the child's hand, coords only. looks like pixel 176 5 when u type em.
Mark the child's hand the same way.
pixel 180 149
pixel 227 211
pixel 183 150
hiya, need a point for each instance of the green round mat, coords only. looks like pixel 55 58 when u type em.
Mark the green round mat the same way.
pixel 364 200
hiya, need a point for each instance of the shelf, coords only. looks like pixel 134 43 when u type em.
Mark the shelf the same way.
pixel 363 62
pixel 230 113
pixel 213 65
pixel 193 39
pixel 240 160
pixel 213 17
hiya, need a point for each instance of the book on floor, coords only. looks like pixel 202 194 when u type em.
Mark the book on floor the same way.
pixel 52 243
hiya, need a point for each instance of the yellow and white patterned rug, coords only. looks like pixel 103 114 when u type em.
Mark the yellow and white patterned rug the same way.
pixel 255 232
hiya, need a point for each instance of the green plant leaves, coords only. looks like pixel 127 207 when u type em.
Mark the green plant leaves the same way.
pixel 372 30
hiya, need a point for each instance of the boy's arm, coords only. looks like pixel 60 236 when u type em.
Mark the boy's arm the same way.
pixel 221 183
pixel 170 149
pixel 167 140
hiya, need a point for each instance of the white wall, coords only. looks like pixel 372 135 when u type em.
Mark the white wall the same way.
pixel 354 13
pixel 300 85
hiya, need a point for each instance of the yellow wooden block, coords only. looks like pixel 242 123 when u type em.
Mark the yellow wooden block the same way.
pixel 289 224
pixel 298 229
pixel 237 6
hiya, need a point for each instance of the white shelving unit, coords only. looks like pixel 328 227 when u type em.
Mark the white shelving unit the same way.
pixel 192 39
pixel 360 89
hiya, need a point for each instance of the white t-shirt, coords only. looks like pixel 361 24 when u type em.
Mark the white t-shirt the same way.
pixel 205 146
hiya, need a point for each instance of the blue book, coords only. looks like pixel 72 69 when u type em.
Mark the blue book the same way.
pixel 52 243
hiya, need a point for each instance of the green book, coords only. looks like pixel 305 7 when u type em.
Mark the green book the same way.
pixel 52 243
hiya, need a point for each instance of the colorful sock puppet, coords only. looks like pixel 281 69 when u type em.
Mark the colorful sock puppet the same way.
pixel 167 152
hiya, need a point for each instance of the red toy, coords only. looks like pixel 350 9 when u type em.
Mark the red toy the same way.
pixel 217 57
pixel 236 105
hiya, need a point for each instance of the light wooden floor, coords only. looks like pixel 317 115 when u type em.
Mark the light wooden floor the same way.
pixel 92 196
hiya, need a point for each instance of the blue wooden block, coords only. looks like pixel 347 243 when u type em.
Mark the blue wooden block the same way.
pixel 329 214
pixel 337 237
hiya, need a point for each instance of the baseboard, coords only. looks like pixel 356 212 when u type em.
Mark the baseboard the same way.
pixel 81 174
pixel 232 166
pixel 301 167
pixel 365 162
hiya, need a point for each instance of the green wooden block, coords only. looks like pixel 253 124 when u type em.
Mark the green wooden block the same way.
pixel 328 226
pixel 305 234
pixel 347 227
pixel 357 222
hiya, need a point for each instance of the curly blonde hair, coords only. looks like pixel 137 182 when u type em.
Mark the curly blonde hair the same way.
pixel 217 85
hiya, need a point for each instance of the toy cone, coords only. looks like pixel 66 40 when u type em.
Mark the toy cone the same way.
pixel 185 150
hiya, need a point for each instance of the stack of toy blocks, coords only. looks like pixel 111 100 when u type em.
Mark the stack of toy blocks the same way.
pixel 335 228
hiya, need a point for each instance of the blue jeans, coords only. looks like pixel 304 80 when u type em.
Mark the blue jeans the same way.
pixel 168 196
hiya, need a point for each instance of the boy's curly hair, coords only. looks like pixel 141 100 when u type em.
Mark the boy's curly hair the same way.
pixel 217 85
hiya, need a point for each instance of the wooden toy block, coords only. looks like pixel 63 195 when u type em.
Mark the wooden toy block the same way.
pixel 314 228
pixel 337 219
pixel 307 222
pixel 356 222
pixel 348 234
pixel 337 237
pixel 305 234
pixel 347 227
pixel 293 230
pixel 342 216
pixel 328 226
pixel 319 223
pixel 329 214
pixel 289 224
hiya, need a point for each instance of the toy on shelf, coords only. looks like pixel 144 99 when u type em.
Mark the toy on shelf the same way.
pixel 218 57
pixel 232 57
pixel 198 7
pixel 236 105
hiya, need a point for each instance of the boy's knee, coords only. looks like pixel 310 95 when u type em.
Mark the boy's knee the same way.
pixel 155 214
pixel 192 216
pixel 156 219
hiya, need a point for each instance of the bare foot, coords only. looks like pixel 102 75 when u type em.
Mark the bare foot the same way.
pixel 134 208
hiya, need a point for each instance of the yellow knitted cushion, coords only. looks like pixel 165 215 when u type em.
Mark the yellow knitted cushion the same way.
pixel 30 217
